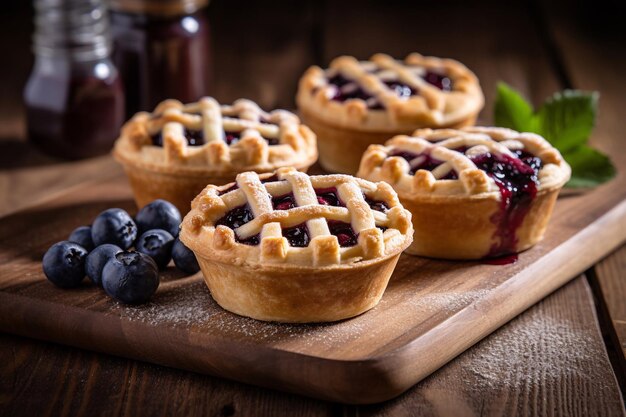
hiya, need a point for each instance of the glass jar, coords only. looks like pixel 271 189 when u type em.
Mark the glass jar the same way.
pixel 161 48
pixel 74 97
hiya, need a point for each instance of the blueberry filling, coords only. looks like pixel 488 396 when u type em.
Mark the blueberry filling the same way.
pixel 328 197
pixel 426 162
pixel 346 89
pixel 194 138
pixel 529 159
pixel 284 202
pixel 343 231
pixel 232 137
pixel 338 80
pixel 236 218
pixel 377 205
pixel 252 240
pixel 157 139
pixel 440 81
pixel 402 90
pixel 518 184
pixel 297 236
pixel 343 94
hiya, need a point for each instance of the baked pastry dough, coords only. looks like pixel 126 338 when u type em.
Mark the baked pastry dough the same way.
pixel 175 151
pixel 355 103
pixel 475 192
pixel 296 248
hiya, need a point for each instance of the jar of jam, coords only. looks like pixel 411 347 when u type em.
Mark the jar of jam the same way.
pixel 161 48
pixel 74 97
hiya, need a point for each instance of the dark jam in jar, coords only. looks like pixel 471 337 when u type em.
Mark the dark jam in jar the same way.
pixel 161 49
pixel 74 96
pixel 74 111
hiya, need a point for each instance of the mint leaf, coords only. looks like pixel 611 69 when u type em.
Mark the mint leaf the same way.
pixel 566 119
pixel 511 110
pixel 589 167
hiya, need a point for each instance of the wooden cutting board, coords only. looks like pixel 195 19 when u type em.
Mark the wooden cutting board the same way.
pixel 431 312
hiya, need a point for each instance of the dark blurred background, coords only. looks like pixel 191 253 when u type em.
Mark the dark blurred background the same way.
pixel 260 49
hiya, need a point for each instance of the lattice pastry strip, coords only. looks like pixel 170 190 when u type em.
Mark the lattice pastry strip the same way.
pixel 221 136
pixel 416 89
pixel 375 230
pixel 443 161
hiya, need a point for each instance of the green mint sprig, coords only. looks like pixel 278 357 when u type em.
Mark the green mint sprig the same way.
pixel 566 120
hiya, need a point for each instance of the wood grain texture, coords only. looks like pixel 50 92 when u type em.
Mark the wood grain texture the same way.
pixel 428 303
pixel 520 62
pixel 548 361
pixel 611 274
pixel 40 378
pixel 544 362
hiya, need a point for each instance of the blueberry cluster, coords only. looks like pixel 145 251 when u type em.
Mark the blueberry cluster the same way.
pixel 104 252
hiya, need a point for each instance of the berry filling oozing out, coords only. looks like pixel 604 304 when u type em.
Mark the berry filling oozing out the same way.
pixel 297 236
pixel 344 232
pixel 440 81
pixel 423 161
pixel 517 181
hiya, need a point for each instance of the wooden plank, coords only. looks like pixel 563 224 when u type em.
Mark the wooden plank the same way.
pixel 548 361
pixel 610 273
pixel 39 378
pixel 427 303
pixel 513 372
pixel 590 46
pixel 570 224
pixel 538 94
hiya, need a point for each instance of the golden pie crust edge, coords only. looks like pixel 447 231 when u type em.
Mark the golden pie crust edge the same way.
pixel 177 172
pixel 432 108
pixel 453 219
pixel 244 280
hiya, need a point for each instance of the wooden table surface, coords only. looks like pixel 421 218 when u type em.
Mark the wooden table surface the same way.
pixel 564 356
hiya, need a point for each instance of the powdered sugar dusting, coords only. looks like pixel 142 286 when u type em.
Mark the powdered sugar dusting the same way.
pixel 449 301
pixel 187 304
pixel 535 351
pixel 183 305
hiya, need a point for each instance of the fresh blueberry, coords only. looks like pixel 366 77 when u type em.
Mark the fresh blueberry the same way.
pixel 96 260
pixel 114 226
pixel 157 244
pixel 82 236
pixel 64 264
pixel 184 258
pixel 159 214
pixel 130 277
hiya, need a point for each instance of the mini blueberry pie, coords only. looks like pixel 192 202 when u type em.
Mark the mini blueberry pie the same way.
pixel 289 247
pixel 353 104
pixel 475 192
pixel 177 150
